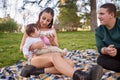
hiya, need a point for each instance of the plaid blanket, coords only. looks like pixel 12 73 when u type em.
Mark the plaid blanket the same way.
pixel 81 58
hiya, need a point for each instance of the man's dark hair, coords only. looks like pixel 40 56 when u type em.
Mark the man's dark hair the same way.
pixel 111 8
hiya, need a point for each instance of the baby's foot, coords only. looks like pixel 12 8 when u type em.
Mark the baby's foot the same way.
pixel 65 51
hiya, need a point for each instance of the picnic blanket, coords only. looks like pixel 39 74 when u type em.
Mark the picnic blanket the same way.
pixel 81 58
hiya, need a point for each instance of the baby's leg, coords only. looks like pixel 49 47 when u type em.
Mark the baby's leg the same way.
pixel 57 49
pixel 42 51
pixel 65 51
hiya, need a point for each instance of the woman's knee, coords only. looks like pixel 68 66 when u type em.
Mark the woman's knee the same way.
pixel 70 62
pixel 41 60
pixel 55 56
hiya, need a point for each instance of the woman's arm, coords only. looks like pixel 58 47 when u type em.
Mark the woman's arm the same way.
pixel 23 41
pixel 53 39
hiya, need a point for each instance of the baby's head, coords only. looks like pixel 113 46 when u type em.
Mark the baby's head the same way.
pixel 32 30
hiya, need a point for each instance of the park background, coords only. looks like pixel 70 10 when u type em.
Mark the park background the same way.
pixel 75 22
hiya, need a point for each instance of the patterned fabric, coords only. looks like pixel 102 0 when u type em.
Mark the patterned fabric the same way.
pixel 107 74
pixel 81 58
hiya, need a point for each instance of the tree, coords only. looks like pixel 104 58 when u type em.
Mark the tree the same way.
pixel 8 25
pixel 118 13
pixel 68 16
pixel 83 9
pixel 93 15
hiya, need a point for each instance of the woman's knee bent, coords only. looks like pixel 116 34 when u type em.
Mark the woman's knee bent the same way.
pixel 44 60
pixel 55 56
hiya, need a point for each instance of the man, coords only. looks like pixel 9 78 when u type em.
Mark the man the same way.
pixel 108 38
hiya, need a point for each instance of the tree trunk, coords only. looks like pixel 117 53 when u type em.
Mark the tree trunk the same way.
pixel 93 15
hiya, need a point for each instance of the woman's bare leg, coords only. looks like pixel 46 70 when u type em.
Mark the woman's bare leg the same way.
pixel 69 62
pixel 60 64
pixel 44 61
pixel 53 70
pixel 41 61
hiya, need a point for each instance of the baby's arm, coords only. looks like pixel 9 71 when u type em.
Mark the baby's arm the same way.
pixel 25 52
pixel 37 45
pixel 25 56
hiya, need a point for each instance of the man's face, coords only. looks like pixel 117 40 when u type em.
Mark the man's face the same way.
pixel 104 16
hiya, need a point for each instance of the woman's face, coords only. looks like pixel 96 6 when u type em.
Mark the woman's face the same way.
pixel 45 19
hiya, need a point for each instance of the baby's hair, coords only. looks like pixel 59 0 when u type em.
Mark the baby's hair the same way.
pixel 30 28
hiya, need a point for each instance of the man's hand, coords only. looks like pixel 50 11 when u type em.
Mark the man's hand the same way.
pixel 110 50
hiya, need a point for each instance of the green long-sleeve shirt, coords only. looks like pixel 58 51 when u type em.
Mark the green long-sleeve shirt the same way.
pixel 105 37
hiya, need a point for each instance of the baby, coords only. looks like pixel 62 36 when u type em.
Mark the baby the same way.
pixel 34 35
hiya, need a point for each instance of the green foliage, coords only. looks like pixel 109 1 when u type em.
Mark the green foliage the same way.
pixel 0 20
pixel 118 13
pixel 68 16
pixel 86 17
pixel 10 42
pixel 8 26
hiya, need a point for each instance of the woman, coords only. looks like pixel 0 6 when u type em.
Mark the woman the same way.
pixel 50 63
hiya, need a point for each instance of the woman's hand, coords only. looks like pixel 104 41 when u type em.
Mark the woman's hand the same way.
pixel 51 38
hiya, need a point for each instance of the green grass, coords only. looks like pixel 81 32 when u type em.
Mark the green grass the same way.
pixel 77 40
pixel 9 44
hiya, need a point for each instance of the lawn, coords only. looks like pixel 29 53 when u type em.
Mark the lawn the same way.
pixel 9 44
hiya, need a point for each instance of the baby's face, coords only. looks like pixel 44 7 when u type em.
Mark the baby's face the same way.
pixel 36 33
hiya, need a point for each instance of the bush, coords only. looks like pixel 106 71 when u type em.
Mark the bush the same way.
pixel 8 26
